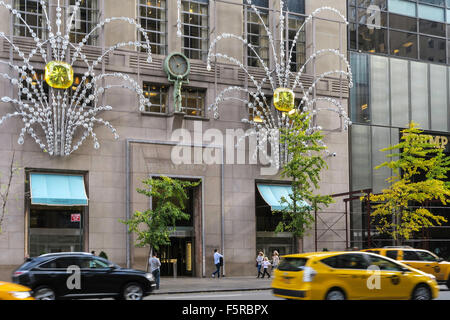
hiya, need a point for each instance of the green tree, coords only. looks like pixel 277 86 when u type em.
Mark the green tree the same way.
pixel 400 210
pixel 154 225
pixel 304 165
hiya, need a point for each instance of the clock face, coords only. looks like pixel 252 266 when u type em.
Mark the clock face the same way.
pixel 178 65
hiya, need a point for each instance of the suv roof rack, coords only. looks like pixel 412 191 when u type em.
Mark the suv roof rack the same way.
pixel 64 253
pixel 398 247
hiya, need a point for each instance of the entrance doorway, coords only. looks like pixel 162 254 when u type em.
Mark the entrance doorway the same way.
pixel 177 257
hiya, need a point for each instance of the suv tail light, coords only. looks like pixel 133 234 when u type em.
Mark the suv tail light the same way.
pixel 18 273
pixel 308 274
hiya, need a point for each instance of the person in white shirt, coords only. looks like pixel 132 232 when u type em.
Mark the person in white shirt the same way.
pixel 266 263
pixel 155 264
pixel 217 257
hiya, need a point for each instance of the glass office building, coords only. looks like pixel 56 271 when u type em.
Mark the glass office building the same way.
pixel 399 53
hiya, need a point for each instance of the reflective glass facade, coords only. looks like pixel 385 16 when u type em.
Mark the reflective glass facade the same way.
pixel 392 92
pixel 399 54
pixel 412 29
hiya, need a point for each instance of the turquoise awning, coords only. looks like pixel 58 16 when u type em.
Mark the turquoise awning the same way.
pixel 272 195
pixel 57 190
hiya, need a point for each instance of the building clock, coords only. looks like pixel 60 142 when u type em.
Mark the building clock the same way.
pixel 177 67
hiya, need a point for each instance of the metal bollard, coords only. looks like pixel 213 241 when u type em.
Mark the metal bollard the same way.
pixel 174 269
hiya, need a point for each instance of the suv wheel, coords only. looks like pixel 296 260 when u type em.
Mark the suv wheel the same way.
pixel 335 294
pixel 133 291
pixel 421 292
pixel 44 293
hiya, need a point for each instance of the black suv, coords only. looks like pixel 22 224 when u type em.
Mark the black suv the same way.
pixel 81 275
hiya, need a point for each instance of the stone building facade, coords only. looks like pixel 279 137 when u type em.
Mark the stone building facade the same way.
pixel 224 206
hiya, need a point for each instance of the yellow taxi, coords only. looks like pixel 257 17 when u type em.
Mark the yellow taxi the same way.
pixel 423 260
pixel 350 275
pixel 12 291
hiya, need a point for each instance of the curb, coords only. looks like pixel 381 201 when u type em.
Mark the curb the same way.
pixel 211 290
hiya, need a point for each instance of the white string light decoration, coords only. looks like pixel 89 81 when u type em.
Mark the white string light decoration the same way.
pixel 54 118
pixel 282 80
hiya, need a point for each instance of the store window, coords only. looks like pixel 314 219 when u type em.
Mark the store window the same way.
pixel 33 14
pixel 256 33
pixel 153 18
pixel 193 101
pixel 158 96
pixel 195 27
pixel 85 19
pixel 57 212
pixel 58 229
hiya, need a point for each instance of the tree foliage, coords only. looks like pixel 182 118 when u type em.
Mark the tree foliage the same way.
pixel 401 209
pixel 304 165
pixel 154 225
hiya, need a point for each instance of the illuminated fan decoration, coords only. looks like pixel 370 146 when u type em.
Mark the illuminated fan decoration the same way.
pixel 282 81
pixel 61 117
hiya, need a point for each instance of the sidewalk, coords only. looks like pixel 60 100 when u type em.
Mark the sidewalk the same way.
pixel 170 285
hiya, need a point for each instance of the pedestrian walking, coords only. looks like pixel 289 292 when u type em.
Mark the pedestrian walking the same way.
pixel 266 264
pixel 217 258
pixel 275 260
pixel 155 265
pixel 259 261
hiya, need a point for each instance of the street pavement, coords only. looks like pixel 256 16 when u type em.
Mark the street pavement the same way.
pixel 227 285
pixel 170 285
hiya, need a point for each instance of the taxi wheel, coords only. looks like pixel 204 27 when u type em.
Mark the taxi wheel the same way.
pixel 335 294
pixel 421 292
pixel 44 293
pixel 448 283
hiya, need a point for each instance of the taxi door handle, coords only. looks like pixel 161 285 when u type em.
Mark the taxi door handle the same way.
pixel 344 275
pixel 427 265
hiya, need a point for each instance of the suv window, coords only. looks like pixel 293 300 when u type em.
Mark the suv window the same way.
pixel 48 265
pixel 292 264
pixel 383 264
pixel 425 256
pixel 393 254
pixel 95 264
pixel 346 261
pixel 66 262
pixel 409 255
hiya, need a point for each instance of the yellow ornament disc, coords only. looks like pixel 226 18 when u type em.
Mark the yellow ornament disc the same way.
pixel 284 99
pixel 58 74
